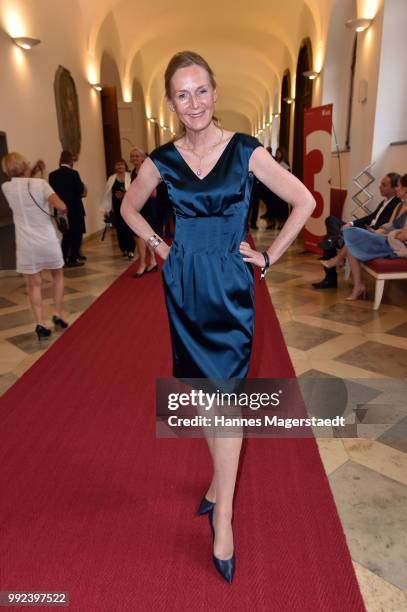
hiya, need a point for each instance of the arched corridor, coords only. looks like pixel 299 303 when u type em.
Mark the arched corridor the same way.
pixel 273 61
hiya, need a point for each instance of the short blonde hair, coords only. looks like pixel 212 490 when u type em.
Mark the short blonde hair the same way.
pixel 14 164
pixel 139 151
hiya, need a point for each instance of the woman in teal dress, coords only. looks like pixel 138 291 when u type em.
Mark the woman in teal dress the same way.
pixel 208 271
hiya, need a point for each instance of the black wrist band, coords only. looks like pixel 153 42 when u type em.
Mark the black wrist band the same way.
pixel 266 264
pixel 266 259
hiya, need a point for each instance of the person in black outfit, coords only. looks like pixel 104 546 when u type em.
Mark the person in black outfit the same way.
pixel 254 203
pixel 334 226
pixel 68 186
pixel 149 213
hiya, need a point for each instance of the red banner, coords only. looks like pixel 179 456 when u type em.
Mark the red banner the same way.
pixel 317 171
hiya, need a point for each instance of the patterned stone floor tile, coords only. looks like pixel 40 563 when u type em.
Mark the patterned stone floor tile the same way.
pixel 276 277
pixel 288 299
pixel 332 453
pixel 14 319
pixel 378 594
pixel 371 506
pixel 79 272
pixel 396 436
pixel 79 304
pixel 5 303
pixel 400 330
pixel 29 342
pixel 377 357
pixel 7 381
pixel 348 313
pixel 304 337
pixel 379 457
pixel 10 356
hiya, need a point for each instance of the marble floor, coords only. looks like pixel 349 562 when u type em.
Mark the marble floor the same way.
pixel 327 337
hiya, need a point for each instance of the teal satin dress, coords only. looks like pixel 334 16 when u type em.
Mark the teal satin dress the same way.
pixel 208 287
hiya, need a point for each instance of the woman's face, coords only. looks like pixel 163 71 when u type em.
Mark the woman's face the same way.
pixel 193 97
pixel 120 167
pixel 279 155
pixel 136 158
pixel 401 192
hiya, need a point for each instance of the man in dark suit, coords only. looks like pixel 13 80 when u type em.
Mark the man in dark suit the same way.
pixel 373 220
pixel 67 184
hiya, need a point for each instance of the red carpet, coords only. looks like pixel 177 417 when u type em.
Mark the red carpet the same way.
pixel 93 504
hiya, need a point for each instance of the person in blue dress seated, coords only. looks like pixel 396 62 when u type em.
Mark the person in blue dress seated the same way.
pixel 208 281
pixel 389 241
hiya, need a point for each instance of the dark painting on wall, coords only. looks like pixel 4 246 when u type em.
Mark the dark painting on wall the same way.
pixel 66 100
pixel 5 212
pixel 7 234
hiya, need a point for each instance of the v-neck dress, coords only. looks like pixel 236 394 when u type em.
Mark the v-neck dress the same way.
pixel 208 287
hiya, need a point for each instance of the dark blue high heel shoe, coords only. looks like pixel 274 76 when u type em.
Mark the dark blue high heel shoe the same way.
pixel 225 567
pixel 205 506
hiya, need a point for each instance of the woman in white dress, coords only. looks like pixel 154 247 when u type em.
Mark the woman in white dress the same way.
pixel 37 243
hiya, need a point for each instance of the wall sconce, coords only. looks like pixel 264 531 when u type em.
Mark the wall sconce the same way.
pixel 288 100
pixel 311 74
pixel 164 127
pixel 96 86
pixel 276 115
pixel 151 119
pixel 25 42
pixel 359 25
pixel 268 124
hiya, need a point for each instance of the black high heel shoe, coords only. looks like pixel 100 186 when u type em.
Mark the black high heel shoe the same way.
pixel 42 332
pixel 225 567
pixel 205 506
pixel 58 322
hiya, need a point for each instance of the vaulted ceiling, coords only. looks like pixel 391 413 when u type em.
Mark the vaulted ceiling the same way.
pixel 248 44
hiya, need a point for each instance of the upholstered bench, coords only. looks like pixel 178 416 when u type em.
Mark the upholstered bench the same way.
pixel 384 269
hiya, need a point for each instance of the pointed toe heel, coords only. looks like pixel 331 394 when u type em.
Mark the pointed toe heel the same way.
pixel 42 332
pixel 205 506
pixel 225 567
pixel 210 517
pixel 58 322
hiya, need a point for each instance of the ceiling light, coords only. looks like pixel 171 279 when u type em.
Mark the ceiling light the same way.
pixel 311 74
pixel 359 25
pixel 25 42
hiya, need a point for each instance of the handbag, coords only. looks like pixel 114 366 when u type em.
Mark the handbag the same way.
pixel 61 219
pixel 398 246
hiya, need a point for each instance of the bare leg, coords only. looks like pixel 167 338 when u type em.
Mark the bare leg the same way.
pixel 226 462
pixel 34 283
pixel 141 249
pixel 58 290
pixel 153 261
pixel 358 286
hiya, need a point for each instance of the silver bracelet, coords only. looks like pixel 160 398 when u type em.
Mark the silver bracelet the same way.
pixel 154 241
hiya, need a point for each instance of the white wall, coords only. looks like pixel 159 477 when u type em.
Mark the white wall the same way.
pixel 391 105
pixel 364 112
pixel 27 104
pixel 336 72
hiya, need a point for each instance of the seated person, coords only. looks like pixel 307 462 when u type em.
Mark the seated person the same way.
pixel 374 220
pixel 363 246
